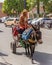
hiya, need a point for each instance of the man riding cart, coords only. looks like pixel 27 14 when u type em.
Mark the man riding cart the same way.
pixel 27 35
pixel 20 27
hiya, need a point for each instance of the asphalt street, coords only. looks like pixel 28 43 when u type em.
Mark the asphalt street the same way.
pixel 42 55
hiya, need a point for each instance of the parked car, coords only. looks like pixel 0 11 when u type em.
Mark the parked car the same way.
pixel 3 19
pixel 43 22
pixel 35 21
pixel 10 21
pixel 0 20
pixel 47 23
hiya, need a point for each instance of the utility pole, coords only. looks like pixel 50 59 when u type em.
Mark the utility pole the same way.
pixel 37 8
pixel 24 4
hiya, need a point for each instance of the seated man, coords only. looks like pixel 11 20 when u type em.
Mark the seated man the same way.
pixel 23 22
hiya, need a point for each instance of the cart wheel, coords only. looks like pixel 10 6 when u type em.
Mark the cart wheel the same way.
pixel 14 48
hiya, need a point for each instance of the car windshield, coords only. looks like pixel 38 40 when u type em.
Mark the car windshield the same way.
pixel 10 19
pixel 33 21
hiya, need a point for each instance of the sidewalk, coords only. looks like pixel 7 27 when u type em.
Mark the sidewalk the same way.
pixel 1 60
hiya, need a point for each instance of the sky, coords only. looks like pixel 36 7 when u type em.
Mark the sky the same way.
pixel 1 0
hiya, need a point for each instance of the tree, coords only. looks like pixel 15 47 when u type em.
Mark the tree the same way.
pixel 8 6
pixel 30 4
pixel 13 6
pixel 45 2
pixel 49 7
pixel 20 5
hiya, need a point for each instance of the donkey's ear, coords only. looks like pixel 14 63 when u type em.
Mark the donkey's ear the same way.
pixel 34 26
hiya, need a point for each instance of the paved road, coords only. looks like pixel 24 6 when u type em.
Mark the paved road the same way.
pixel 42 55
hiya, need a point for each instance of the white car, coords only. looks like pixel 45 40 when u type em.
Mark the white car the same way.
pixel 10 21
pixel 36 20
pixel 4 19
pixel 47 22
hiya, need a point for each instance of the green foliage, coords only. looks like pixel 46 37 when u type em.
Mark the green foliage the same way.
pixel 49 7
pixel 41 15
pixel 46 6
pixel 14 7
pixel 30 4
pixel 9 6
pixel 35 15
pixel 45 2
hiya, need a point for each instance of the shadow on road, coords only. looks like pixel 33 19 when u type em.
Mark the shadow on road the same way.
pixel 2 57
pixel 1 31
pixel 2 54
pixel 43 58
pixel 4 63
pixel 20 53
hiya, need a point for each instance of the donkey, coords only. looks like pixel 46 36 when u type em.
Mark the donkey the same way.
pixel 35 37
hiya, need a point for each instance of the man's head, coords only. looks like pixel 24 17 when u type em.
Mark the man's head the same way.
pixel 25 12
